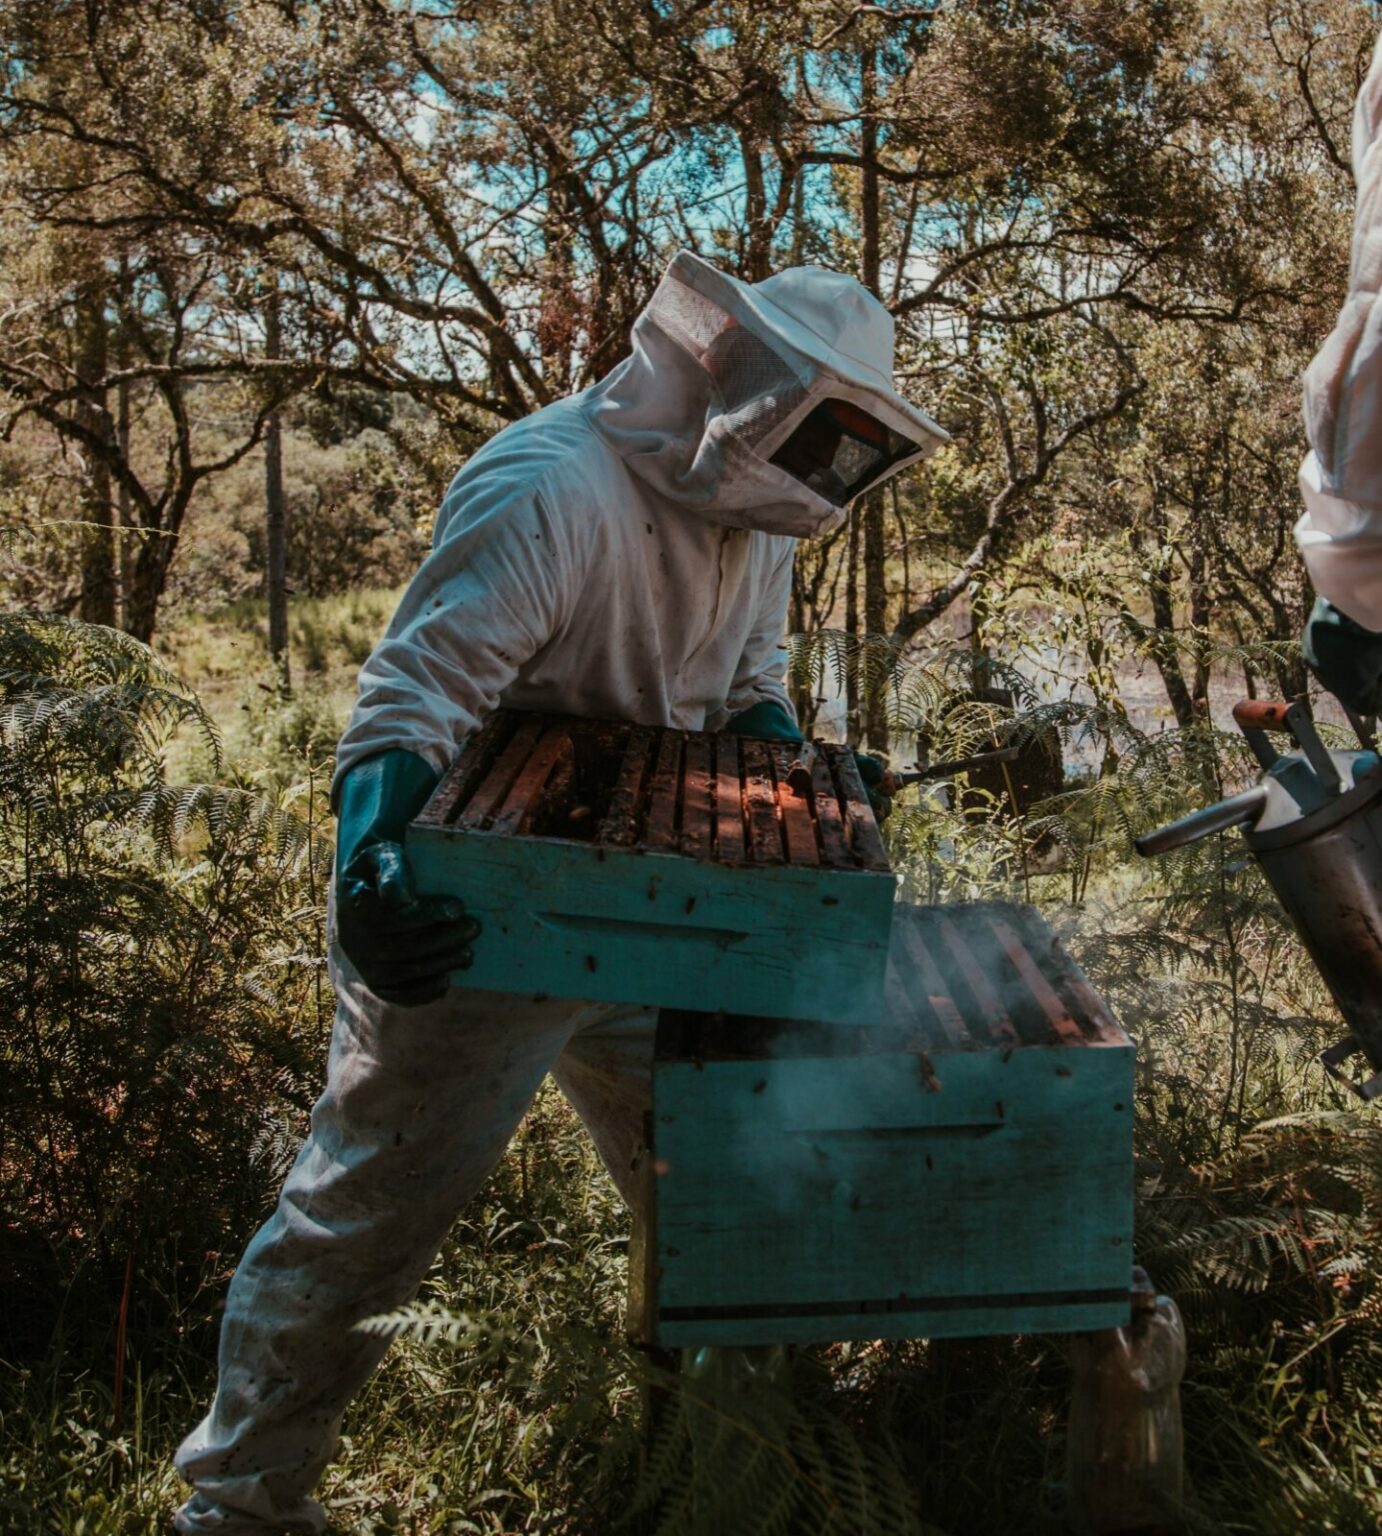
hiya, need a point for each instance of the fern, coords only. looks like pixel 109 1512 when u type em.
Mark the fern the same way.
pixel 157 949
pixel 733 1447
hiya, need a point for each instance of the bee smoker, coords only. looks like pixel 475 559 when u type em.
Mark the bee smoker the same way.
pixel 1314 824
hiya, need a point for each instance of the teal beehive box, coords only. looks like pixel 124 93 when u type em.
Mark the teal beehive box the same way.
pixel 668 868
pixel 961 1165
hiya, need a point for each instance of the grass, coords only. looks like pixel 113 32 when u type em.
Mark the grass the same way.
pixel 271 737
pixel 327 636
pixel 512 1405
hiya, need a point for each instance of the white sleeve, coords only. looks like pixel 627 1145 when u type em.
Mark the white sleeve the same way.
pixel 762 670
pixel 497 586
pixel 1340 533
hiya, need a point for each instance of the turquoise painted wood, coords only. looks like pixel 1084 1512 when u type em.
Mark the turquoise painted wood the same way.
pixel 923 1178
pixel 666 868
pixel 569 919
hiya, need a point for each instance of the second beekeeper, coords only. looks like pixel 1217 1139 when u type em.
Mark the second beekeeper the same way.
pixel 1340 533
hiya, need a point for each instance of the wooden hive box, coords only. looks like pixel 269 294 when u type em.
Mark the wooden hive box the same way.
pixel 961 1166
pixel 668 868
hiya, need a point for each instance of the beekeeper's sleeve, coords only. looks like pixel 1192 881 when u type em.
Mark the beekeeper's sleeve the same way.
pixel 496 588
pixel 1340 534
pixel 762 670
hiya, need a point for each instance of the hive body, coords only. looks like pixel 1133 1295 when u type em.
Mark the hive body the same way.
pixel 667 868
pixel 960 1166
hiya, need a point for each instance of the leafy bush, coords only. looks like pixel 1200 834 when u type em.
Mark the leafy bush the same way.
pixel 357 514
pixel 159 956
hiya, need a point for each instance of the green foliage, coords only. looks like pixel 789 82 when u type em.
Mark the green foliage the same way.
pixel 341 630
pixel 720 1445
pixel 284 737
pixel 160 958
pixel 766 1457
pixel 356 514
pixel 168 983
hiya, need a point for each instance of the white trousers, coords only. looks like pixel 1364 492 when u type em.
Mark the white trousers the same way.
pixel 419 1105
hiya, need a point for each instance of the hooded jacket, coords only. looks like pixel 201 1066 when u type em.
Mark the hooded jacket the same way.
pixel 1340 534
pixel 627 553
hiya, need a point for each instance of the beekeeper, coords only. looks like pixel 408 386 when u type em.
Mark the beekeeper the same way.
pixel 625 553
pixel 1340 534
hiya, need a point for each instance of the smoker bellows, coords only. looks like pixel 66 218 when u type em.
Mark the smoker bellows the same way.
pixel 961 1165
pixel 662 867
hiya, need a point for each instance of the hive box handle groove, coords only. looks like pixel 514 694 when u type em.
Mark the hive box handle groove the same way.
pixel 901 1132
pixel 580 922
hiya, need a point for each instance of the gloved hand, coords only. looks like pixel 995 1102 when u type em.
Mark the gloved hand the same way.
pixel 879 784
pixel 769 721
pixel 1345 657
pixel 403 945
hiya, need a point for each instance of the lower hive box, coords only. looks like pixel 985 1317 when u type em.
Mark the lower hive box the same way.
pixel 662 867
pixel 960 1166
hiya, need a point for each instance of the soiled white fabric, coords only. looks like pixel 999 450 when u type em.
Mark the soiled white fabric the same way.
pixel 627 552
pixel 419 1105
pixel 1340 534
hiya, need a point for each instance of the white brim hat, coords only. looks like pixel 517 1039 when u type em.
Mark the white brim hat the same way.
pixel 833 322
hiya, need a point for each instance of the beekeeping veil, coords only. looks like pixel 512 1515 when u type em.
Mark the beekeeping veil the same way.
pixel 761 405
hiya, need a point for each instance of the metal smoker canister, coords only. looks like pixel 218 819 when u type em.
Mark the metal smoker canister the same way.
pixel 1314 824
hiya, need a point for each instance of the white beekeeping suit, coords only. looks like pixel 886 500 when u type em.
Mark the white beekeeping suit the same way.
pixel 625 553
pixel 1340 534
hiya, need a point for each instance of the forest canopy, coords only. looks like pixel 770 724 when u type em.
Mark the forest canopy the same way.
pixel 1111 237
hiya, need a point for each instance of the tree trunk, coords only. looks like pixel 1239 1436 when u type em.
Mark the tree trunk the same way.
pixel 98 536
pixel 275 514
pixel 1199 600
pixel 798 216
pixel 758 249
pixel 875 623
pixel 125 553
pixel 875 549
pixel 559 306
pixel 148 578
pixel 854 657
pixel 1165 654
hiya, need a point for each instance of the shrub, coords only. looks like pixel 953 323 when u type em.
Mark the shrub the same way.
pixel 159 956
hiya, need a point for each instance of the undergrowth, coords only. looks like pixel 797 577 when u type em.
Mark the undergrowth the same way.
pixel 136 1160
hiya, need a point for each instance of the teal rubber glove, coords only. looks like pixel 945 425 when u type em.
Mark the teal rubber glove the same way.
pixel 769 721
pixel 878 783
pixel 403 945
pixel 1345 657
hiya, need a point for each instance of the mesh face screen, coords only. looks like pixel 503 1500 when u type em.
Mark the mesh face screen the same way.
pixel 688 315
pixel 757 387
pixel 840 450
pixel 837 451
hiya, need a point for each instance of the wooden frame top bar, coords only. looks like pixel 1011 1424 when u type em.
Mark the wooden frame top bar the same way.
pixel 984 975
pixel 730 799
